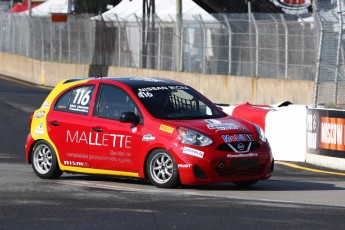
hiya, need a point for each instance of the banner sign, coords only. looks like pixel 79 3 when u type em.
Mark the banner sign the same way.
pixel 294 6
pixel 326 132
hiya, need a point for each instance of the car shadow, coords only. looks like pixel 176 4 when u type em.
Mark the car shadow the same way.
pixel 273 186
pixel 264 185
pixel 124 180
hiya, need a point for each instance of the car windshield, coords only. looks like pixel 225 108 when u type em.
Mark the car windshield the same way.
pixel 176 102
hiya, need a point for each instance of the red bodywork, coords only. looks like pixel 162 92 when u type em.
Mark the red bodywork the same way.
pixel 91 144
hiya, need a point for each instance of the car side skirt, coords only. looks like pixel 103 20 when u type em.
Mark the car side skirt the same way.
pixel 72 169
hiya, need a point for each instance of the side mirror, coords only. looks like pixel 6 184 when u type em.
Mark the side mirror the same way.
pixel 129 117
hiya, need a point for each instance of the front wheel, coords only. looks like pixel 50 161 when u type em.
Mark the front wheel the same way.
pixel 44 161
pixel 162 170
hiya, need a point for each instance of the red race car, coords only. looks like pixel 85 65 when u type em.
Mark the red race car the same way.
pixel 150 128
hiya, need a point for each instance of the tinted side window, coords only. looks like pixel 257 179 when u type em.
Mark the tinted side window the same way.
pixel 113 101
pixel 62 103
pixel 76 100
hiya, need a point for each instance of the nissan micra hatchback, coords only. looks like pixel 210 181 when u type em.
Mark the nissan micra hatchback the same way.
pixel 150 128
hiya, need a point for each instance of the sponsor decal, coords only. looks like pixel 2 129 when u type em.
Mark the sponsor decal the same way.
pixel 184 166
pixel 311 131
pixel 77 155
pixel 121 157
pixel 219 126
pixel 146 92
pixel 193 152
pixel 81 100
pixel 79 108
pixel 158 88
pixel 148 137
pixel 242 155
pixel 332 133
pixel 40 114
pixel 102 158
pixel 153 88
pixel 237 137
pixel 115 156
pixel 39 130
pixel 104 139
pixel 293 6
pixel 166 128
pixel 76 163
pixel 112 159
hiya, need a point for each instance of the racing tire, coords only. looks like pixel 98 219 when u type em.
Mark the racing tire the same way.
pixel 162 169
pixel 244 184
pixel 44 161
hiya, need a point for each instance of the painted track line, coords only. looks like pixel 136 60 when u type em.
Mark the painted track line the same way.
pixel 296 166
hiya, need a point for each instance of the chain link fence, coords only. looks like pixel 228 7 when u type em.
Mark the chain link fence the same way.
pixel 261 45
pixel 329 79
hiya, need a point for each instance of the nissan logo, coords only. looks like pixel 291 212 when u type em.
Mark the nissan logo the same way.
pixel 240 146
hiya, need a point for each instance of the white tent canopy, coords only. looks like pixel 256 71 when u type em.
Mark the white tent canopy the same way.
pixel 49 7
pixel 128 10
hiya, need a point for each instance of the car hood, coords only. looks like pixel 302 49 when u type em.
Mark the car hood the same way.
pixel 215 126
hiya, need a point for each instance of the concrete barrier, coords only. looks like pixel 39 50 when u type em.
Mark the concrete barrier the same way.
pixel 219 88
pixel 300 134
pixel 286 132
pixel 285 127
pixel 326 138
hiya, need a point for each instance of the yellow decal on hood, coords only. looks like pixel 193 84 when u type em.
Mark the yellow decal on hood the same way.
pixel 166 128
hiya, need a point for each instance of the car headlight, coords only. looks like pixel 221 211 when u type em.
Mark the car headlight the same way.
pixel 192 137
pixel 261 133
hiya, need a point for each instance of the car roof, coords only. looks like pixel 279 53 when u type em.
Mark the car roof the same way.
pixel 132 81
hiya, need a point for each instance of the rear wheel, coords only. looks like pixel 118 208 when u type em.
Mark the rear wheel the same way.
pixel 162 170
pixel 44 161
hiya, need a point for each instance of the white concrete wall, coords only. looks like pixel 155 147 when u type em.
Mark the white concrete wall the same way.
pixel 285 129
pixel 286 132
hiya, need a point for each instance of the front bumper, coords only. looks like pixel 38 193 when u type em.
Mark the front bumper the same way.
pixel 221 167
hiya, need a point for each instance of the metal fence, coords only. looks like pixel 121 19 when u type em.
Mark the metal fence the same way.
pixel 329 79
pixel 262 45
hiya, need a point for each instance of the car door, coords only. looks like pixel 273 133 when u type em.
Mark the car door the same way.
pixel 114 145
pixel 68 125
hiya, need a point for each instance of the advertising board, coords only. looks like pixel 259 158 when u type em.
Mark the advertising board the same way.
pixel 326 132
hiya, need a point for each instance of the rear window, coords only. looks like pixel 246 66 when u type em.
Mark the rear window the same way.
pixel 76 100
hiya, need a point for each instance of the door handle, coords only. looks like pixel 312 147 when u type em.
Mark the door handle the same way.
pixel 97 129
pixel 54 123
